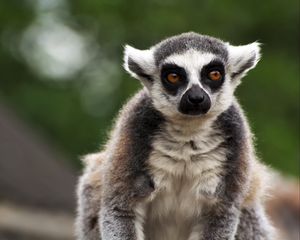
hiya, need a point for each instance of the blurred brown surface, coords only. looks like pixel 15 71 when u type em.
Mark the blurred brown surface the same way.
pixel 283 207
pixel 37 187
pixel 31 172
pixel 19 222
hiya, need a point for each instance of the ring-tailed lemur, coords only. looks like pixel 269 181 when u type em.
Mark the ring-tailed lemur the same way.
pixel 180 163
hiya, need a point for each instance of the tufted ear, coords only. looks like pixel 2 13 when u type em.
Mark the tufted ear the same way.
pixel 140 64
pixel 242 59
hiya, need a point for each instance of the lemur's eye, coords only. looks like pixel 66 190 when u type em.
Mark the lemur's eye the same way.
pixel 173 78
pixel 215 75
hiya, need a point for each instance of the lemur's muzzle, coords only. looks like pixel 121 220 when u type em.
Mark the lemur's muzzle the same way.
pixel 194 101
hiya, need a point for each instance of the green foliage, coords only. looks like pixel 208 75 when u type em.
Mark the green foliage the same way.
pixel 76 118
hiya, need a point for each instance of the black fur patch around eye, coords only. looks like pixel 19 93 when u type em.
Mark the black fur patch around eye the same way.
pixel 172 88
pixel 214 65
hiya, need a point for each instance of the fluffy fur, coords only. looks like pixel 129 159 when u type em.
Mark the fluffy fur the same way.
pixel 166 175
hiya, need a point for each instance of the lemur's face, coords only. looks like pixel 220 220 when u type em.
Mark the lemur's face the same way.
pixel 190 83
pixel 191 74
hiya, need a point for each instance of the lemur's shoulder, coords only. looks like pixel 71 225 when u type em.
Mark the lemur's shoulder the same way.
pixel 136 122
pixel 130 141
pixel 137 106
pixel 137 110
pixel 137 118
pixel 234 124
pixel 233 119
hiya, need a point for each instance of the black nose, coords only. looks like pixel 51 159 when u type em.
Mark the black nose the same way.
pixel 196 99
pixel 195 95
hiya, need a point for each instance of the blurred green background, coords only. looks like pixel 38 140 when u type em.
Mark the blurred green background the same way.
pixel 61 65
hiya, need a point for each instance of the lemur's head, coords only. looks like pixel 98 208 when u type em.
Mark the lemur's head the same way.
pixel 191 74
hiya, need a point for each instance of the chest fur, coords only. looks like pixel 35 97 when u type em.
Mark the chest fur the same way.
pixel 186 172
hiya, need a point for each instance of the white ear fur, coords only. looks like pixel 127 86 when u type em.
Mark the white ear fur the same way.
pixel 243 58
pixel 139 63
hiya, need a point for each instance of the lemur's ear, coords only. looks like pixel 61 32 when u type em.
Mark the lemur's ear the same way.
pixel 140 64
pixel 243 58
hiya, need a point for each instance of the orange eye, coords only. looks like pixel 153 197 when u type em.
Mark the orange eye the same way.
pixel 215 75
pixel 173 78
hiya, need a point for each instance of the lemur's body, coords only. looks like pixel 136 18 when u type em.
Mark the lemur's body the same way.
pixel 167 175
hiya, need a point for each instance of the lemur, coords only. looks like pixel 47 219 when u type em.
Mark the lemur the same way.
pixel 180 163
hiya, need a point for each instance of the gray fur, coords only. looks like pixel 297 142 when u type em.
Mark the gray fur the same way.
pixel 126 181
pixel 251 220
pixel 89 198
pixel 87 221
pixel 183 42
pixel 165 175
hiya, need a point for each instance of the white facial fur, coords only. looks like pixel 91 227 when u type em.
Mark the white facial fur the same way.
pixel 192 61
pixel 240 60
